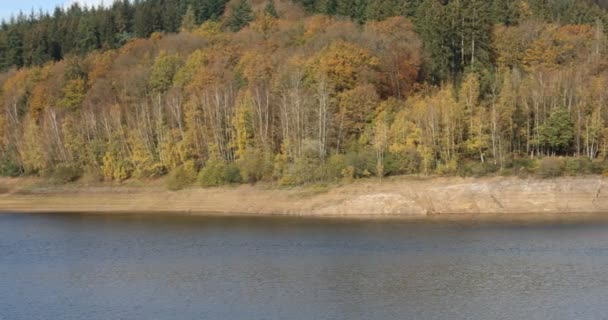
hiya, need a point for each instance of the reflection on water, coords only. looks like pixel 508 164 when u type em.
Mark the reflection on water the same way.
pixel 133 267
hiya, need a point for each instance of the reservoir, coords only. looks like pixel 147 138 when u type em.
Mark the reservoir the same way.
pixel 79 266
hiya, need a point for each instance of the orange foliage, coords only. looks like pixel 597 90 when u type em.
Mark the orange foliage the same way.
pixel 344 63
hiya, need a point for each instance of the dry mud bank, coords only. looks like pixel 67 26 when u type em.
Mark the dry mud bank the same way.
pixel 400 197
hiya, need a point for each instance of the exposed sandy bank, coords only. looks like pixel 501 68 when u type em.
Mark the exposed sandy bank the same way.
pixel 399 197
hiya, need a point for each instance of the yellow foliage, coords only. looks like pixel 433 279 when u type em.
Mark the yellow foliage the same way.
pixel 39 100
pixel 197 60
pixel 32 151
pixel 101 64
pixel 144 163
pixel 74 141
pixel 316 24
pixel 210 30
pixel 243 125
pixel 74 94
pixel 170 153
pixel 256 66
pixel 344 63
pixel 264 23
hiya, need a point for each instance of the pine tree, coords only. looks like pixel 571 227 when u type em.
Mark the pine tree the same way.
pixel 241 16
pixel 382 9
pixel 328 7
pixel 434 29
pixel 87 35
pixel 352 8
pixel 14 44
pixel 170 16
pixel 189 20
pixel 271 9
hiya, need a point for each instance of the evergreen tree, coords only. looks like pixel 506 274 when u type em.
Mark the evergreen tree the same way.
pixel 240 17
pixel 87 35
pixel 170 16
pixel 505 12
pixel 14 45
pixel 328 7
pixel 270 9
pixel 432 25
pixel 382 9
pixel 352 8
pixel 210 10
pixel 189 20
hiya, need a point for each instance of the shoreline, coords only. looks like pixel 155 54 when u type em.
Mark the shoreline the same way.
pixel 434 198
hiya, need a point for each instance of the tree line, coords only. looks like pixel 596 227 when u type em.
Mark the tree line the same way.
pixel 270 92
pixel 39 37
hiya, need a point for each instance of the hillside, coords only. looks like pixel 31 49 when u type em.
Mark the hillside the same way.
pixel 308 92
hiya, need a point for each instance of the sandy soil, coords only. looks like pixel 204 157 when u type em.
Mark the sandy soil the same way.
pixel 401 197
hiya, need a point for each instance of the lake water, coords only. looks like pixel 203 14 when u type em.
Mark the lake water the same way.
pixel 134 267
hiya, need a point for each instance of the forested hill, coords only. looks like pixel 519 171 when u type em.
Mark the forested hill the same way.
pixel 37 37
pixel 305 91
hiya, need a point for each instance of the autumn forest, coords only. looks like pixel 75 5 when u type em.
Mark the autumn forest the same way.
pixel 211 92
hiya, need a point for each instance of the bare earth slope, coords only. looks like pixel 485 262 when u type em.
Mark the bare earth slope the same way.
pixel 400 197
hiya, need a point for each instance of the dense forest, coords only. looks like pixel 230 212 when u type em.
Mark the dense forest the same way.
pixel 304 91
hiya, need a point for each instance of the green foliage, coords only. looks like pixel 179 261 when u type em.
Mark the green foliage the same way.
pixel 241 16
pixel 180 178
pixel 557 133
pixel 164 69
pixel 213 174
pixel 408 161
pixel 477 169
pixel 74 94
pixel 63 173
pixel 363 161
pixel 382 9
pixel 523 167
pixel 303 170
pixel 255 165
pixel 271 9
pixel 575 166
pixel 232 173
pixel 335 167
pixel 189 20
pixel 8 168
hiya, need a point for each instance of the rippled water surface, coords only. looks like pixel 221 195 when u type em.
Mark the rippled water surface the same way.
pixel 135 267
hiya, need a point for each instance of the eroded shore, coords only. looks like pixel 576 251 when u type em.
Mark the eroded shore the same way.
pixel 404 197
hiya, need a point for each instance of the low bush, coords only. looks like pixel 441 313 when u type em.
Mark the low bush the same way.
pixel 64 173
pixel 91 175
pixel 254 165
pixel 447 169
pixel 597 166
pixel 522 167
pixel 10 169
pixel 303 170
pixel 576 166
pixel 551 167
pixel 334 166
pixel 364 162
pixel 232 174
pixel 212 175
pixel 179 178
pixel 407 161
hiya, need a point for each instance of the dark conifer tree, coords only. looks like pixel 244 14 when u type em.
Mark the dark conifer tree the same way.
pixel 240 17
pixel 271 9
